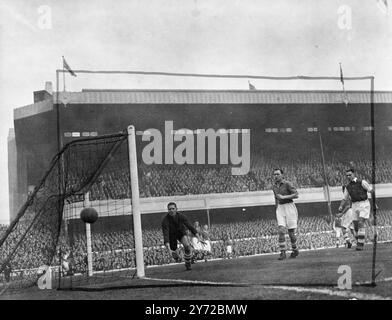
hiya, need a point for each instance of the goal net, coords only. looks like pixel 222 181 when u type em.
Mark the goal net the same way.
pixel 50 246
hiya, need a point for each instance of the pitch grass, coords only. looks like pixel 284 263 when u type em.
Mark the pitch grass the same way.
pixel 253 277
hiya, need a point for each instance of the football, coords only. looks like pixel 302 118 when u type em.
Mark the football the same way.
pixel 89 215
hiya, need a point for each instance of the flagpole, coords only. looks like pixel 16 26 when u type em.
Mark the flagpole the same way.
pixel 374 205
pixel 63 76
pixel 325 177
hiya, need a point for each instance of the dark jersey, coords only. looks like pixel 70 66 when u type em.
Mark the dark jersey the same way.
pixel 356 191
pixel 175 227
pixel 284 188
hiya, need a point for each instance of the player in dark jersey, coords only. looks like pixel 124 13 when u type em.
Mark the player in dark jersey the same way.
pixel 286 212
pixel 357 192
pixel 174 227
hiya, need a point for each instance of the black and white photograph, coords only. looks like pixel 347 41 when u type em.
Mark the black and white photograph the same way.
pixel 196 155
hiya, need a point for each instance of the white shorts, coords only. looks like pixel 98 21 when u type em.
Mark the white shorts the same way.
pixel 207 246
pixel 197 245
pixel 361 209
pixel 287 215
pixel 347 218
pixel 66 265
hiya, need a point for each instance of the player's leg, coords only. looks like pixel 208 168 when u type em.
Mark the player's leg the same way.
pixel 208 250
pixel 347 221
pixel 293 240
pixel 292 224
pixel 346 237
pixel 364 214
pixel 355 231
pixel 282 242
pixel 187 252
pixel 173 248
pixel 196 248
pixel 361 234
pixel 281 218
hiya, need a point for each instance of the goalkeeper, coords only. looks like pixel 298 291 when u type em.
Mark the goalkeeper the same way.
pixel 174 227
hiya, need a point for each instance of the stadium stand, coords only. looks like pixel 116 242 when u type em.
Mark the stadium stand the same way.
pixel 247 238
pixel 303 171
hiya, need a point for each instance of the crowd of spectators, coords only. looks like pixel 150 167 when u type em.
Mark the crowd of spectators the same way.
pixel 115 250
pixel 304 168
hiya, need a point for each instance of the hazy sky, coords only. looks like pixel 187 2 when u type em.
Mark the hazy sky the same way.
pixel 257 37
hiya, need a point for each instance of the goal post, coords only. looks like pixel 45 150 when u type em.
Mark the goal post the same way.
pixel 87 203
pixel 137 225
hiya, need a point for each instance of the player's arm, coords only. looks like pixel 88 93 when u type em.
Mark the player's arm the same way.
pixel 293 193
pixel 165 231
pixel 366 185
pixel 346 197
pixel 344 210
pixel 190 227
pixel 276 199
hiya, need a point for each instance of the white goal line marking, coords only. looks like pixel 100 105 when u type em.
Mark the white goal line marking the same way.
pixel 369 282
pixel 339 293
pixel 330 292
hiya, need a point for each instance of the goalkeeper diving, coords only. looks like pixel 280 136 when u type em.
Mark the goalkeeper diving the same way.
pixel 174 228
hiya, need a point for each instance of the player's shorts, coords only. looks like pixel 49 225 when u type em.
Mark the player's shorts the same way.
pixel 361 209
pixel 197 245
pixel 287 215
pixel 347 218
pixel 65 265
pixel 207 246
pixel 173 240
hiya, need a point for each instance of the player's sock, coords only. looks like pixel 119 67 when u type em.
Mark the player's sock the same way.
pixel 356 235
pixel 361 236
pixel 282 242
pixel 188 258
pixel 293 240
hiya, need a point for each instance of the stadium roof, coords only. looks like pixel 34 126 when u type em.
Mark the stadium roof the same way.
pixel 106 96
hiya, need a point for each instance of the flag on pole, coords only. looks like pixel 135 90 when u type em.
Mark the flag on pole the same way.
pixel 341 75
pixel 383 6
pixel 345 99
pixel 68 68
pixel 251 86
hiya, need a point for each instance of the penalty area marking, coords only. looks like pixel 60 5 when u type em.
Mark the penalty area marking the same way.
pixel 339 293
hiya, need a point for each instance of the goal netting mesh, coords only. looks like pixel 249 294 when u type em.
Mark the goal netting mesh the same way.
pixel 48 234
